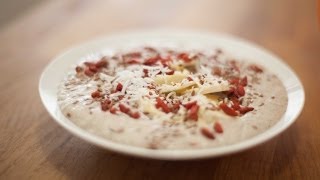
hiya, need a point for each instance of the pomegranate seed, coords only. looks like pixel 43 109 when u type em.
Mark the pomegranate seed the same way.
pixel 93 68
pixel 102 63
pixel 234 81
pixel 135 115
pixel 170 72
pixel 231 91
pixel 151 61
pixel 193 112
pixel 88 72
pixel 218 127
pixel 244 81
pixel 236 104
pixel 133 61
pixel 160 104
pixel 207 133
pixel 226 109
pixel 189 78
pixel 123 108
pixel 244 110
pixel 95 94
pixel 240 90
pixel 184 57
pixel 190 104
pixel 119 87
pixel 113 110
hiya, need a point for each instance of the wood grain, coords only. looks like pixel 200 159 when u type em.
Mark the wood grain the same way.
pixel 33 146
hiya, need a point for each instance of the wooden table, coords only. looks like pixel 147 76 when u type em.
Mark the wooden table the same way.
pixel 33 146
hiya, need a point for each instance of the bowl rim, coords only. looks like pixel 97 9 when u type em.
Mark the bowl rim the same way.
pixel 178 154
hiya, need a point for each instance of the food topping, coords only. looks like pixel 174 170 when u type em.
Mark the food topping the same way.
pixel 166 84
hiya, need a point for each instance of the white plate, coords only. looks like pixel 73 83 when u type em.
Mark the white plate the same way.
pixel 56 70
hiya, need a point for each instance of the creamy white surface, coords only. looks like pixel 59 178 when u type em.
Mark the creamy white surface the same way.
pixel 144 132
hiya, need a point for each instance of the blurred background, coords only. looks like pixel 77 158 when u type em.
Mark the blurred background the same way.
pixel 253 19
pixel 287 27
pixel 12 9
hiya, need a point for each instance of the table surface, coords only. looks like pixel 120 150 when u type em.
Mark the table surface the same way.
pixel 33 146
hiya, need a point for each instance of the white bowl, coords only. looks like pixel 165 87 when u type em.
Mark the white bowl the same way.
pixel 56 70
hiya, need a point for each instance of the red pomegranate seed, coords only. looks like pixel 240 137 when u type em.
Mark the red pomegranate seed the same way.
pixel 244 110
pixel 244 81
pixel 189 78
pixel 102 63
pixel 231 91
pixel 95 94
pixel 190 104
pixel 113 110
pixel 218 127
pixel 184 57
pixel 207 133
pixel 255 68
pixel 134 115
pixel 93 68
pixel 161 104
pixel 226 109
pixel 119 87
pixel 133 61
pixel 236 104
pixel 170 72
pixel 88 72
pixel 234 81
pixel 123 108
pixel 151 61
pixel 193 112
pixel 240 90
pixel 79 69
